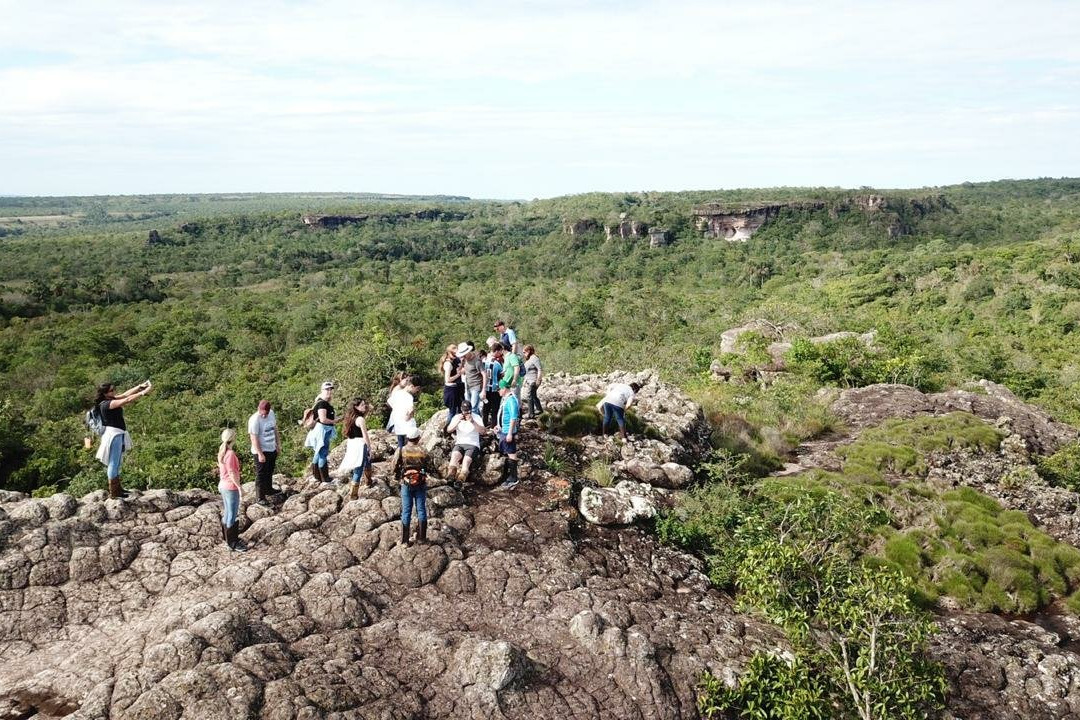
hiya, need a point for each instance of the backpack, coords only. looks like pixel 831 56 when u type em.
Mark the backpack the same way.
pixel 413 463
pixel 308 421
pixel 94 422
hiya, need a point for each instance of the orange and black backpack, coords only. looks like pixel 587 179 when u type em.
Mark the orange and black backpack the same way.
pixel 412 463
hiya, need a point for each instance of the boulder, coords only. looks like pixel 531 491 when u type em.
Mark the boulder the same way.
pixel 623 504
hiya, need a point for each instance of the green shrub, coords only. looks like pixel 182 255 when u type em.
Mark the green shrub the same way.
pixel 44 491
pixel 1063 467
pixel 582 418
pixel 600 473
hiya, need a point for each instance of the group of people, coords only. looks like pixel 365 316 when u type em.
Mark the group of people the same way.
pixel 482 392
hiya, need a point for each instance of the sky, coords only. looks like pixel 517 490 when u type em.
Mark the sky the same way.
pixel 532 99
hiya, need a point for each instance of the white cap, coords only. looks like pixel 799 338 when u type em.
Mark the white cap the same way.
pixel 414 433
pixel 463 349
pixel 328 385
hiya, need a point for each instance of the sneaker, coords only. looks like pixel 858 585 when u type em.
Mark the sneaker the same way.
pixel 508 485
pixel 264 502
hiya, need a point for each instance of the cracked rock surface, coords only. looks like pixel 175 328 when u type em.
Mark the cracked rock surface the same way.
pixel 135 609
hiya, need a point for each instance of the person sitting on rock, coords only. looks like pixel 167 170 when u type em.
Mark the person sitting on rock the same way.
pixel 467 427
pixel 618 400
pixel 411 466
pixel 357 446
pixel 509 419
pixel 229 487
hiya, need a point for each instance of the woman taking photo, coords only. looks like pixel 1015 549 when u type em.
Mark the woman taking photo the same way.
pixel 357 443
pixel 534 372
pixel 229 487
pixel 115 440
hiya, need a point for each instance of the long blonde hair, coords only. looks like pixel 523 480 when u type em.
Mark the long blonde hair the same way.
pixel 227 437
pixel 449 355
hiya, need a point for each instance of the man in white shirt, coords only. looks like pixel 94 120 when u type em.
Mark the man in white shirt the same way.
pixel 265 445
pixel 467 428
pixel 618 400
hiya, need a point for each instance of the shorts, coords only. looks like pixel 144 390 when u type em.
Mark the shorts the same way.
pixel 469 451
pixel 507 448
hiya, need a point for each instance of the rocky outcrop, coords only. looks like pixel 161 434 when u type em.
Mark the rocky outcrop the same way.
pixel 659 237
pixel 871 405
pixel 134 609
pixel 330 222
pixel 623 504
pixel 735 223
pixel 580 227
pixel 738 222
pixel 1001 668
pixel 626 229
pixel 675 417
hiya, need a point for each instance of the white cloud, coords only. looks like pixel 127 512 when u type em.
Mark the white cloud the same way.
pixel 471 92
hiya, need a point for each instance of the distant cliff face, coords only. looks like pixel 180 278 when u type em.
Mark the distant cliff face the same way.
pixel 739 223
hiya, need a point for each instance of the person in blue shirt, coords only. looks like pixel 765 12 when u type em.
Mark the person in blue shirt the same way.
pixel 509 419
pixel 507 337
pixel 492 370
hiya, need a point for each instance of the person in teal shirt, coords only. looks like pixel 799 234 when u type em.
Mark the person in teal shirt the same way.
pixel 509 419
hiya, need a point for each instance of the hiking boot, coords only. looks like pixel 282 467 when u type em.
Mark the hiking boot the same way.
pixel 421 533
pixel 354 491
pixel 116 492
pixel 235 543
pixel 405 539
pixel 316 476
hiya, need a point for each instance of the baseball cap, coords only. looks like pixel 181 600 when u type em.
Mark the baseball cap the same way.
pixel 328 385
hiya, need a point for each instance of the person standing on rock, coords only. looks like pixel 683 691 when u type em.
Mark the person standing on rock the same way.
pixel 473 367
pixel 467 428
pixel 402 402
pixel 509 419
pixel 512 374
pixel 357 446
pixel 411 466
pixel 618 400
pixel 451 370
pixel 265 444
pixel 492 370
pixel 115 440
pixel 229 487
pixel 323 433
pixel 534 373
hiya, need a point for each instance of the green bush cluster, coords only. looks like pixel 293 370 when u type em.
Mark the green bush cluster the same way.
pixel 850 362
pixel 581 418
pixel 900 445
pixel 984 557
pixel 793 548
pixel 1063 467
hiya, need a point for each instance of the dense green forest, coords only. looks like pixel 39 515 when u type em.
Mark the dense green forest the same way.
pixel 238 299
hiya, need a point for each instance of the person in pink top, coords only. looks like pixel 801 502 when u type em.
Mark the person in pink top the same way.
pixel 229 487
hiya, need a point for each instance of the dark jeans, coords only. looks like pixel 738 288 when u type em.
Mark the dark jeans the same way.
pixel 491 410
pixel 616 412
pixel 264 473
pixel 532 400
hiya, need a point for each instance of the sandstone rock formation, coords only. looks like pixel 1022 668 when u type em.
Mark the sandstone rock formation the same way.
pixel 134 609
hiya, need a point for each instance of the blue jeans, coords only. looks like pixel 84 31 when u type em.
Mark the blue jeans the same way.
pixel 323 453
pixel 230 510
pixel 116 454
pixel 401 441
pixel 358 472
pixel 616 412
pixel 473 395
pixel 413 494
